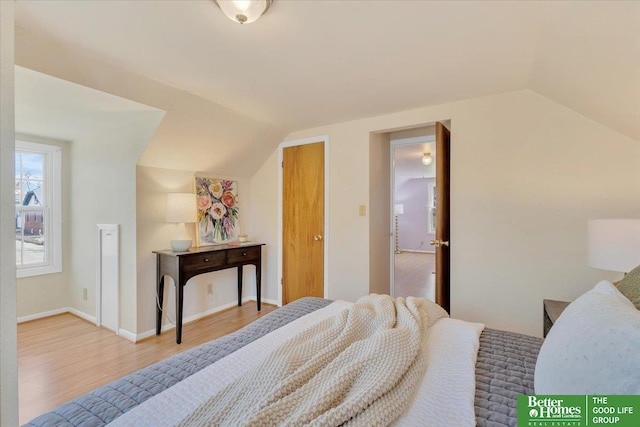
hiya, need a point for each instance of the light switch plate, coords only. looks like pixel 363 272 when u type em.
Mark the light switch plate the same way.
pixel 362 210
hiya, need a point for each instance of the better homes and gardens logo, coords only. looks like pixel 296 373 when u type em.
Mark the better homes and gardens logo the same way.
pixel 553 410
pixel 578 411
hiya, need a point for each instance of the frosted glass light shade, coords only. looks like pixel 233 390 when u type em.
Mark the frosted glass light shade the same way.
pixel 181 207
pixel 427 159
pixel 244 11
pixel 614 244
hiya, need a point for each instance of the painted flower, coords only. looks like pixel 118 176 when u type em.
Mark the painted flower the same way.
pixel 228 199
pixel 204 202
pixel 216 189
pixel 229 225
pixel 218 210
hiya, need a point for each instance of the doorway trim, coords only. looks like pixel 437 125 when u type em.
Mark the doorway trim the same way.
pixel 325 140
pixel 393 143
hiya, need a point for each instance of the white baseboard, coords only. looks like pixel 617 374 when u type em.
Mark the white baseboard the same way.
pixel 43 314
pixel 186 320
pixel 417 251
pixel 82 315
pixel 128 335
pixel 265 300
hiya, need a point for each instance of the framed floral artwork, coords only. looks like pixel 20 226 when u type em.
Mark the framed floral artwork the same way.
pixel 217 204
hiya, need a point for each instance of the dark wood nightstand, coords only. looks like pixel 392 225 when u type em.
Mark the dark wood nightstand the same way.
pixel 552 309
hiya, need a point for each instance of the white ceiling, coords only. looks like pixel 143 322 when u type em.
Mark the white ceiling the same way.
pixel 408 160
pixel 310 63
pixel 58 109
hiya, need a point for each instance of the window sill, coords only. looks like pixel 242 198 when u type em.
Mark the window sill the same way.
pixel 22 273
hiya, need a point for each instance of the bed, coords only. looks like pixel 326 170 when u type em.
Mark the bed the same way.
pixel 504 369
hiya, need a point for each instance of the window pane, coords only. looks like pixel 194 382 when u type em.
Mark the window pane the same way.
pixel 18 249
pixel 33 247
pixel 19 197
pixel 31 185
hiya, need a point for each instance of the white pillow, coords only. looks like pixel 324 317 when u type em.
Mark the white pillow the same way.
pixel 593 348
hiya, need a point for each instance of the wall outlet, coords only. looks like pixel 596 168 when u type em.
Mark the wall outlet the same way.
pixel 362 210
pixel 85 293
pixel 210 288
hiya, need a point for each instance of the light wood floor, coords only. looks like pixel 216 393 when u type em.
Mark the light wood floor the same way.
pixel 413 275
pixel 63 357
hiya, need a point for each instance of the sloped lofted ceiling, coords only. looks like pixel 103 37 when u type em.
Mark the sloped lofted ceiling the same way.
pixel 311 63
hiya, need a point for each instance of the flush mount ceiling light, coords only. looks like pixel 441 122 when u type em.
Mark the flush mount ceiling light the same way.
pixel 427 159
pixel 244 11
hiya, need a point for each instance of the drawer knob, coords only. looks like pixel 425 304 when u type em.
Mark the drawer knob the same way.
pixel 206 260
pixel 244 254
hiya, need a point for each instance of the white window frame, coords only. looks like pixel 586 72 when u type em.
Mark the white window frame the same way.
pixel 52 190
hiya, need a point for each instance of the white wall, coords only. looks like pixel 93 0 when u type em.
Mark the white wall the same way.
pixel 103 189
pixel 8 343
pixel 153 233
pixel 526 175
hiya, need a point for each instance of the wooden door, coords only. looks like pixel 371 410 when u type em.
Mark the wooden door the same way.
pixel 303 222
pixel 442 246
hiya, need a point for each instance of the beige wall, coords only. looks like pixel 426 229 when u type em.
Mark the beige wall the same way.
pixel 379 213
pixel 153 233
pixel 8 344
pixel 526 175
pixel 264 222
pixel 234 143
pixel 39 294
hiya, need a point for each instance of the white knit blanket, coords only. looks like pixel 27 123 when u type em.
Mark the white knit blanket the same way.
pixel 358 368
pixel 444 398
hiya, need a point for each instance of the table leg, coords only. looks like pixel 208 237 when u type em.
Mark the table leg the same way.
pixel 258 286
pixel 179 298
pixel 160 296
pixel 239 286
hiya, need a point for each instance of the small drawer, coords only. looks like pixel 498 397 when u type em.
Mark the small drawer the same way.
pixel 243 254
pixel 197 261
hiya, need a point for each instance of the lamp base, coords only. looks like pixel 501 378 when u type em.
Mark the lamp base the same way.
pixel 181 245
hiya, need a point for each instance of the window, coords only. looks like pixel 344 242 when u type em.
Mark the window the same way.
pixel 38 209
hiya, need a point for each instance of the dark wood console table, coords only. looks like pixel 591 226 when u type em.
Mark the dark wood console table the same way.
pixel 182 266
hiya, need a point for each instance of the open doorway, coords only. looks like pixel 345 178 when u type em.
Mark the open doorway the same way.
pixel 413 175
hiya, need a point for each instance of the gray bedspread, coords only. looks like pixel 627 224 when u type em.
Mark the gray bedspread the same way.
pixel 504 370
pixel 106 403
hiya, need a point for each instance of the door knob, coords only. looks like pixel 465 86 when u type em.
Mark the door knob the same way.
pixel 438 243
pixel 317 237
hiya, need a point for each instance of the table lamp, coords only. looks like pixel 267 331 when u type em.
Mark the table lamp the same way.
pixel 181 208
pixel 614 244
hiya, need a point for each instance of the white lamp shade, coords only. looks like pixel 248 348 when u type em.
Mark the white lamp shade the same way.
pixel 398 209
pixel 244 11
pixel 181 207
pixel 614 244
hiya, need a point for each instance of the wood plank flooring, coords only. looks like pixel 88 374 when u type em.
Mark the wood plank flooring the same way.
pixel 414 275
pixel 63 357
